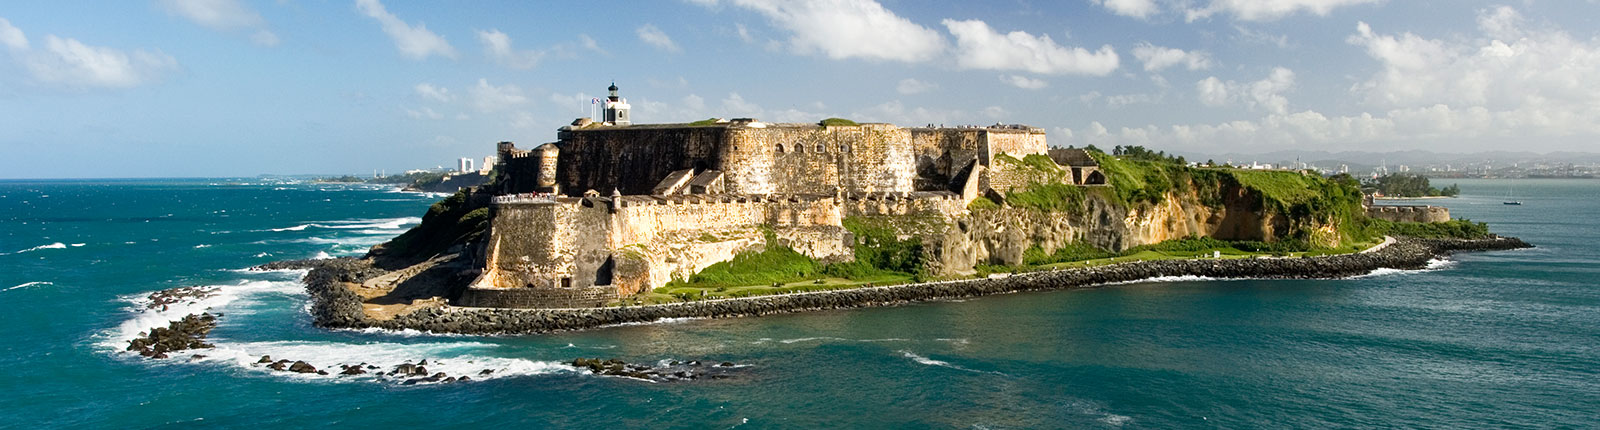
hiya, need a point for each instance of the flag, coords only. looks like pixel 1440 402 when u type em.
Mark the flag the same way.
pixel 595 100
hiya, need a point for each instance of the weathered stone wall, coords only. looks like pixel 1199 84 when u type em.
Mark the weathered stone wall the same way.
pixel 941 152
pixel 632 159
pixel 1017 143
pixel 810 159
pixel 1409 213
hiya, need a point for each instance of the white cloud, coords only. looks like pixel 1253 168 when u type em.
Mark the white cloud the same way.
pixel 68 62
pixel 913 86
pixel 490 98
pixel 590 44
pixel 416 43
pixel 744 33
pixel 431 92
pixel 12 37
pixel 1266 93
pixel 526 120
pixel 1250 36
pixel 223 15
pixel 1156 58
pixel 1511 67
pixel 1268 10
pixel 424 113
pixel 844 29
pixel 1024 82
pixel 497 45
pixel 655 37
pixel 979 47
pixel 1132 8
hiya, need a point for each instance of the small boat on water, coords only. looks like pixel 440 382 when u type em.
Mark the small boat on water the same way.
pixel 1509 200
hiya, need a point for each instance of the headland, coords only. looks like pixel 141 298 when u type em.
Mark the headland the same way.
pixel 616 222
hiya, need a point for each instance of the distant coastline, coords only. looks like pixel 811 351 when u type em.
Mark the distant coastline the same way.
pixel 335 306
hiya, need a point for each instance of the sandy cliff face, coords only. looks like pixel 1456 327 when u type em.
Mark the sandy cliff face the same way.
pixel 1003 235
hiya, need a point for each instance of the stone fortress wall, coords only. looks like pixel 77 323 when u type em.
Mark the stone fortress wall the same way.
pixel 1409 213
pixel 610 211
pixel 606 212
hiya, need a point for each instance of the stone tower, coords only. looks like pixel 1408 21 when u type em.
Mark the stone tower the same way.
pixel 616 108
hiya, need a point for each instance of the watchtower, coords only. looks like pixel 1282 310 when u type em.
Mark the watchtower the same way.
pixel 616 111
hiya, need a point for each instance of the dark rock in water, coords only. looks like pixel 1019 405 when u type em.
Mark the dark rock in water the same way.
pixel 352 370
pixel 450 379
pixel 279 365
pixel 411 382
pixel 464 378
pixel 419 370
pixel 486 372
pixel 181 295
pixel 322 372
pixel 404 369
pixel 264 359
pixel 187 333
pixel 302 367
pixel 424 362
pixel 673 371
pixel 727 364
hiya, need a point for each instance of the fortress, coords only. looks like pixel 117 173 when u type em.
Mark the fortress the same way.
pixel 612 209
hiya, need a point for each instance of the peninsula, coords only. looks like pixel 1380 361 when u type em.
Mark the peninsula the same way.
pixel 617 222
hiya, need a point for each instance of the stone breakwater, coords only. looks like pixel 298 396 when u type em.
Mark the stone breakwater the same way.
pixel 334 306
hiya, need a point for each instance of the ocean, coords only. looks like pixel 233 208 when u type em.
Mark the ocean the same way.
pixel 1488 340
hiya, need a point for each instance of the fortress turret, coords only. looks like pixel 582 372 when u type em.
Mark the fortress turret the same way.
pixel 616 111
pixel 548 154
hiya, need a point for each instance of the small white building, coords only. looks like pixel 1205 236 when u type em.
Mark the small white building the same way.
pixel 464 165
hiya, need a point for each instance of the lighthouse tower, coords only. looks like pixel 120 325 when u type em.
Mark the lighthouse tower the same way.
pixel 616 111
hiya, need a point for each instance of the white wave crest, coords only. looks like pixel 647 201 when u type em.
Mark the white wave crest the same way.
pixel 931 362
pixel 377 223
pixel 57 245
pixel 321 255
pixel 452 358
pixel 30 284
pixel 144 318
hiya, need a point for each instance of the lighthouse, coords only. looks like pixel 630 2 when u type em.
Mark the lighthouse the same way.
pixel 616 111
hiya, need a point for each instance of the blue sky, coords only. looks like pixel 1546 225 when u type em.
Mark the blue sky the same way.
pixel 243 87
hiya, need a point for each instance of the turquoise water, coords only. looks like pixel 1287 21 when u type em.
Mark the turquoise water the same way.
pixel 1496 340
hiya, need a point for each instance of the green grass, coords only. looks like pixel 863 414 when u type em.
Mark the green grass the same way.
pixel 1056 197
pixel 1453 229
pixel 705 122
pixel 836 122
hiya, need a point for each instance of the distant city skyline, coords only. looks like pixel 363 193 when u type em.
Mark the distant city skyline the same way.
pixel 240 88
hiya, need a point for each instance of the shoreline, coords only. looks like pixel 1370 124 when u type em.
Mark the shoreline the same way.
pixel 335 307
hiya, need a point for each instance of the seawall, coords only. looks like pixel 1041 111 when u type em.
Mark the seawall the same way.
pixel 334 306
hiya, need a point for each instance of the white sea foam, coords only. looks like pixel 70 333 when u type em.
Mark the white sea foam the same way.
pixel 932 362
pixel 656 321
pixel 75 245
pixel 457 359
pixel 144 318
pixel 378 223
pixel 202 246
pixel 321 255
pixel 1432 265
pixel 30 284
pixel 57 245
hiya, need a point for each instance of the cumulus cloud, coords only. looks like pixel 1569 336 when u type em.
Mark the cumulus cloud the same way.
pixel 68 62
pixel 1024 82
pixel 1131 8
pixel 845 29
pixel 1156 58
pixel 1266 93
pixel 424 113
pixel 435 93
pixel 980 47
pixel 223 15
pixel 490 98
pixel 590 44
pixel 655 37
pixel 1513 84
pixel 414 42
pixel 497 46
pixel 1509 67
pixel 1268 10
pixel 12 37
pixel 913 86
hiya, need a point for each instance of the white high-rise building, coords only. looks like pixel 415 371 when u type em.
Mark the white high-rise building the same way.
pixel 465 165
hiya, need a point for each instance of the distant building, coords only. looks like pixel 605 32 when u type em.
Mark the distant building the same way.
pixel 488 164
pixel 464 165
